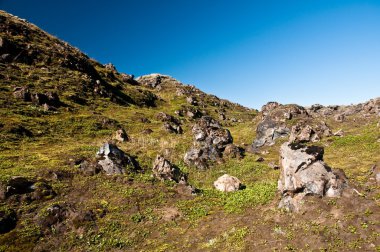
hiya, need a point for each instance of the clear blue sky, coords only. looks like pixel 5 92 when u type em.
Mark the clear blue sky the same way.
pixel 250 52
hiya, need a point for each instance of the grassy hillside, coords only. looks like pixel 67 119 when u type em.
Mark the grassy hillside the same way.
pixel 136 212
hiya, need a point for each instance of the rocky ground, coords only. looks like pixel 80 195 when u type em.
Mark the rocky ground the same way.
pixel 96 160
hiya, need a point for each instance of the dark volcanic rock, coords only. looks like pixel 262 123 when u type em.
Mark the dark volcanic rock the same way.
pixel 268 131
pixel 172 128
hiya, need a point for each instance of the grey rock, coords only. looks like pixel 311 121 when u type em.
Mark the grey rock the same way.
pixel 115 161
pixel 268 131
pixel 191 100
pixel 110 67
pixel 303 172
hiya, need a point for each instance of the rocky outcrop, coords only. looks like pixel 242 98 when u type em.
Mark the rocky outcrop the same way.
pixel 303 172
pixel 151 80
pixel 227 183
pixel 210 140
pixel 164 170
pixel 114 161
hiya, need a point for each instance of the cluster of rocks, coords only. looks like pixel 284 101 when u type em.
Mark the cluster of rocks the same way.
pixel 155 80
pixel 171 124
pixel 304 173
pixel 189 112
pixel 302 132
pixel 341 112
pixel 210 142
pixel 49 100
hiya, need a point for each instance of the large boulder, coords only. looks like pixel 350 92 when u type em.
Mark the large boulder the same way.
pixel 210 141
pixel 164 170
pixel 227 183
pixel 303 172
pixel 114 161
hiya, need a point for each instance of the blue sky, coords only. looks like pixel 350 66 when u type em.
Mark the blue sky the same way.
pixel 250 52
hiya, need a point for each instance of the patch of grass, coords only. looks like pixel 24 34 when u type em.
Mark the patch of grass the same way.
pixel 259 194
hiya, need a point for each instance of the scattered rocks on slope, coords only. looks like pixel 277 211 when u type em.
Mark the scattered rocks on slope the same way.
pixel 210 142
pixel 164 170
pixel 227 183
pixel 303 172
pixel 115 161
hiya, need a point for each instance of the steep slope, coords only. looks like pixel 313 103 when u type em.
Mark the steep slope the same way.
pixel 58 107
